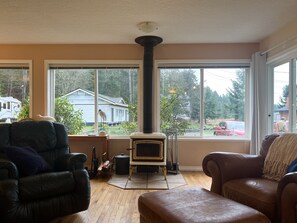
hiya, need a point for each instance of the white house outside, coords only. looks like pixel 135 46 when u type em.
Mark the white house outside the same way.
pixel 9 108
pixel 115 109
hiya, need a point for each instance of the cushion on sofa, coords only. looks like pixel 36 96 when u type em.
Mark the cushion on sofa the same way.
pixel 292 167
pixel 257 193
pixel 55 184
pixel 27 160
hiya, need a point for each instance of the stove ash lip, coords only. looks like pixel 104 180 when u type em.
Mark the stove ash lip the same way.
pixel 152 135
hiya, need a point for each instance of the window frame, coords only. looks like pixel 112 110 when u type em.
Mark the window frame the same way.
pixel 273 62
pixel 206 64
pixel 22 63
pixel 50 81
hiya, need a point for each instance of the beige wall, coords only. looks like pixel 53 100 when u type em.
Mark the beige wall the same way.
pixel 191 152
pixel 286 35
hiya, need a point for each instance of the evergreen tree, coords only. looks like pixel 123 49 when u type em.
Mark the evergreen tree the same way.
pixel 195 104
pixel 236 96
pixel 210 104
pixel 284 97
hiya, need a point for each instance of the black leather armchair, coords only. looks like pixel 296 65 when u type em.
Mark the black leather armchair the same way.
pixel 63 190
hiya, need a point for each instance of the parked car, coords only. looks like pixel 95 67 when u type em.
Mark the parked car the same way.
pixel 229 128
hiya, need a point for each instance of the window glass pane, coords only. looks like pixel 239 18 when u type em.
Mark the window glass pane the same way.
pixel 117 100
pixel 224 102
pixel 281 98
pixel 14 94
pixel 75 100
pixel 180 100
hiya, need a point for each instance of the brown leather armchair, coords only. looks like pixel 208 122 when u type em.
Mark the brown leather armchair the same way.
pixel 239 177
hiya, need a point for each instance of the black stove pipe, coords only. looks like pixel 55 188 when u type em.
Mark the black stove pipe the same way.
pixel 148 42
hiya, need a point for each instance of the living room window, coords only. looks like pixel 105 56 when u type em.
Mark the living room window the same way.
pixel 283 96
pixel 14 90
pixel 204 100
pixel 90 98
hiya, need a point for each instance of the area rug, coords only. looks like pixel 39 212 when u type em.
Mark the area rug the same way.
pixel 147 181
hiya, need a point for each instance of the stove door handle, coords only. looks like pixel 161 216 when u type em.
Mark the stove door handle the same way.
pixel 130 148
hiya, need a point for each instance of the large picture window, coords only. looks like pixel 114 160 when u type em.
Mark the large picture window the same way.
pixel 93 99
pixel 204 101
pixel 14 91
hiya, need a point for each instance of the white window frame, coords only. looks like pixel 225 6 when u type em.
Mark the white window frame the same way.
pixel 285 57
pixel 210 63
pixel 25 63
pixel 50 81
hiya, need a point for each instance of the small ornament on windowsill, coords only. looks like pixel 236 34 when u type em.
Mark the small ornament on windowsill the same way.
pixel 102 133
pixel 102 115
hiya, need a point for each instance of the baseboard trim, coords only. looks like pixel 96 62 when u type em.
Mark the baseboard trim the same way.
pixel 190 168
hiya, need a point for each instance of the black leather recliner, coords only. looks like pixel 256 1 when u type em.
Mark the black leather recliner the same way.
pixel 64 189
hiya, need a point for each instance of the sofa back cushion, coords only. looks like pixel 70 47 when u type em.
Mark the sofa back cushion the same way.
pixel 267 141
pixel 41 135
pixel 61 134
pixel 4 135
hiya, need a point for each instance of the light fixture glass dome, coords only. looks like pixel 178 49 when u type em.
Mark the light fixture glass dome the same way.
pixel 147 27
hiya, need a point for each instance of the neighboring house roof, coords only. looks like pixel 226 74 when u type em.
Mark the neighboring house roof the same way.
pixel 117 101
pixel 281 109
pixel 9 99
pixel 9 112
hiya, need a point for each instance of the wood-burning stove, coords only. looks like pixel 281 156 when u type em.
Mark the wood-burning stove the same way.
pixel 147 150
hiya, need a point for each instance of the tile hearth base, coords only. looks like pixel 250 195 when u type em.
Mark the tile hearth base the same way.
pixel 152 181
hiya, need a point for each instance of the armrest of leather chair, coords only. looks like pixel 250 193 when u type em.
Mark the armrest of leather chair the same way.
pixel 287 197
pixel 8 170
pixel 225 166
pixel 70 162
pixel 9 197
pixel 83 188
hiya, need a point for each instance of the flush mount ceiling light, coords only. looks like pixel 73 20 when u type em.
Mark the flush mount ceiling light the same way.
pixel 147 27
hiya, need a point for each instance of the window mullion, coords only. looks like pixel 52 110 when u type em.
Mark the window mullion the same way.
pixel 292 70
pixel 52 92
pixel 96 90
pixel 201 101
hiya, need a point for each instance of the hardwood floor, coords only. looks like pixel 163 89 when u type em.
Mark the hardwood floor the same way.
pixel 110 204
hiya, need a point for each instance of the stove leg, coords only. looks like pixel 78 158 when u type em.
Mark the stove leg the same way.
pixel 164 171
pixel 130 171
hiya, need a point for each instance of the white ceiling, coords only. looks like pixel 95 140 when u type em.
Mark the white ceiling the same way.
pixel 115 21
